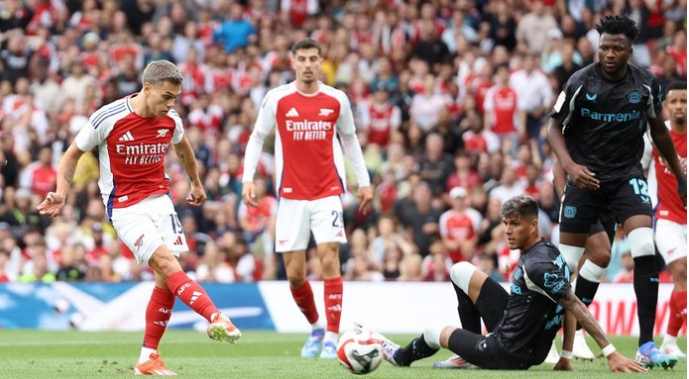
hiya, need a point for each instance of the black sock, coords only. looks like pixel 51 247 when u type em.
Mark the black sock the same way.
pixel 468 314
pixel 417 349
pixel 585 291
pixel 646 289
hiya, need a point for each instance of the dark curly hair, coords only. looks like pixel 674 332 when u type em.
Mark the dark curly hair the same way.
pixel 618 24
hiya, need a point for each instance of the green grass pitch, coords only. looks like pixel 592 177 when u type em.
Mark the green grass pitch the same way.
pixel 259 354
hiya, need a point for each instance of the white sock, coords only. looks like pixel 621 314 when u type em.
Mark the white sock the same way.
pixel 432 336
pixel 330 337
pixel 668 339
pixel 317 325
pixel 145 354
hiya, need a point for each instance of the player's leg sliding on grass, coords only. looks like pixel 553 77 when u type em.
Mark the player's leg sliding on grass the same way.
pixel 522 324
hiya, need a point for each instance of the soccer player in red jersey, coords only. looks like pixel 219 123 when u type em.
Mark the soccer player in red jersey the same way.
pixel 132 136
pixel 310 177
pixel 671 216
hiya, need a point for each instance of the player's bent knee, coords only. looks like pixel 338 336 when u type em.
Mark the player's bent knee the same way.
pixel 641 242
pixel 164 262
pixel 461 275
pixel 572 255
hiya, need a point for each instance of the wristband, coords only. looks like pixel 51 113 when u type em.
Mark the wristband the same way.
pixel 566 355
pixel 609 350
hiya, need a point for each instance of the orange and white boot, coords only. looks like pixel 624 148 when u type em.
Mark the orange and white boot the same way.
pixel 222 329
pixel 153 366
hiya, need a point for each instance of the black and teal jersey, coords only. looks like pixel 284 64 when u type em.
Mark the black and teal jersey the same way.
pixel 532 315
pixel 604 122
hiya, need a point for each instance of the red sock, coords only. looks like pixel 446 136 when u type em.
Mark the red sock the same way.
pixel 192 294
pixel 158 314
pixel 678 312
pixel 333 303
pixel 303 296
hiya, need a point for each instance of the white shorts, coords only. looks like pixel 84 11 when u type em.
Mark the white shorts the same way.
pixel 146 225
pixel 296 218
pixel 671 240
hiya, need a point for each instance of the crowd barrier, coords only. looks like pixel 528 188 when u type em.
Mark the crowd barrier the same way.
pixel 404 307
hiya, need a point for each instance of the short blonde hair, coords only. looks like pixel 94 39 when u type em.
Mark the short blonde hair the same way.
pixel 161 71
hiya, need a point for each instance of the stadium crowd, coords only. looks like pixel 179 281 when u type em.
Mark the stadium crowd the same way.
pixel 451 98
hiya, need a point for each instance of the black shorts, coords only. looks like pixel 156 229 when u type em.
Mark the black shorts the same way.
pixel 626 198
pixel 485 351
pixel 605 222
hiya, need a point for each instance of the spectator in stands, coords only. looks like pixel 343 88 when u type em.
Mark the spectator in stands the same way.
pixel 419 218
pixel 235 32
pixel 533 27
pixel 41 177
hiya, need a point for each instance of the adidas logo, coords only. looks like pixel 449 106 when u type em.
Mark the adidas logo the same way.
pixel 195 296
pixel 292 113
pixel 127 137
pixel 178 241
pixel 335 308
pixel 160 323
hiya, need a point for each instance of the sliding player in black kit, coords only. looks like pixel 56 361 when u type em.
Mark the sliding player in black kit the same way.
pixel 522 323
pixel 596 130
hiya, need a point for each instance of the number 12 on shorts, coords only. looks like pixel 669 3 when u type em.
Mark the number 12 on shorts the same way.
pixel 640 188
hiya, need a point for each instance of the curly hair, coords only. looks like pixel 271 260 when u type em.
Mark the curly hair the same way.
pixel 618 24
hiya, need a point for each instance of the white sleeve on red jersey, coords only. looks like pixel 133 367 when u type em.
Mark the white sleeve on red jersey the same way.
pixel 178 134
pixel 350 143
pixel 442 223
pixel 96 130
pixel 476 218
pixel 265 122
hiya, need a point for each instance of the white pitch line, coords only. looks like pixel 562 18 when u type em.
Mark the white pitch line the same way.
pixel 110 342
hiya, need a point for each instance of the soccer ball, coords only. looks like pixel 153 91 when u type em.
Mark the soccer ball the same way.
pixel 360 351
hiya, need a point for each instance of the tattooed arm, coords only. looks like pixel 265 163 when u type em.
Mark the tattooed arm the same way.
pixel 616 361
pixel 54 201
pixel 186 156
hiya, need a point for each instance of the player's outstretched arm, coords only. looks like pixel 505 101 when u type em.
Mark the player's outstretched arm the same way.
pixel 54 201
pixel 569 328
pixel 663 143
pixel 185 153
pixel 580 175
pixel 616 361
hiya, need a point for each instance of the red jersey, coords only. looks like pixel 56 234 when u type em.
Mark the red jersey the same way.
pixel 39 179
pixel 308 158
pixel 459 227
pixel 131 151
pixel 502 104
pixel 382 119
pixel 670 206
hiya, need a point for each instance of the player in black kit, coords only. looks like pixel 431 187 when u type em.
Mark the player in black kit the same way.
pixel 522 324
pixel 596 130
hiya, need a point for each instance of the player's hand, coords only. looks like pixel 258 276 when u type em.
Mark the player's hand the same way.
pixel 563 364
pixel 682 189
pixel 249 194
pixel 52 205
pixel 197 196
pixel 620 363
pixel 582 177
pixel 365 196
